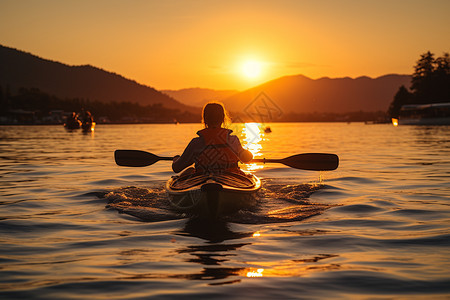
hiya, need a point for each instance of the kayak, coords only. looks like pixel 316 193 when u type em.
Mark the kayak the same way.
pixel 213 195
pixel 74 124
pixel 88 126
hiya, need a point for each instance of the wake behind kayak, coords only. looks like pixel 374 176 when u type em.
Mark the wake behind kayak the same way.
pixel 276 202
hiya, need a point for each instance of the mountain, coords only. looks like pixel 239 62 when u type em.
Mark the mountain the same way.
pixel 302 95
pixel 284 96
pixel 20 69
pixel 199 96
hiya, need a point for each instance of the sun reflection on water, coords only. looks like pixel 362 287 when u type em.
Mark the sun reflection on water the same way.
pixel 253 135
pixel 293 268
pixel 256 234
pixel 257 273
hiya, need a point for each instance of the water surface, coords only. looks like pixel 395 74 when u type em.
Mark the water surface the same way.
pixel 74 225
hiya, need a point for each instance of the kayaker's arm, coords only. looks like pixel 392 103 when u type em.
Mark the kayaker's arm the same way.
pixel 176 164
pixel 186 159
pixel 244 155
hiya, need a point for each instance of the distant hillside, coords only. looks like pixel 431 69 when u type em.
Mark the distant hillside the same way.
pixel 19 69
pixel 303 95
pixel 199 96
pixel 288 96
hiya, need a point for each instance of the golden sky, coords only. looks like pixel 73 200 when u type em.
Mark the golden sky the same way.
pixel 173 44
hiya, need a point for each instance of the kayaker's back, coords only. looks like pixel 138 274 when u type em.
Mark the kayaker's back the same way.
pixel 215 149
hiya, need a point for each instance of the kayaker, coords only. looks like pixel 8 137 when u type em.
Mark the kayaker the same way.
pixel 215 149
pixel 72 121
pixel 87 117
pixel 73 118
pixel 87 120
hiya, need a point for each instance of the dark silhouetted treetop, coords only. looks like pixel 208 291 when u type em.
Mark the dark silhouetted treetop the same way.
pixel 430 83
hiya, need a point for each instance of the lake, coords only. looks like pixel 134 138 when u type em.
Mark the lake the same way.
pixel 74 225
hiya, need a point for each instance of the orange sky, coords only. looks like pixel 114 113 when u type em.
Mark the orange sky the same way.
pixel 179 44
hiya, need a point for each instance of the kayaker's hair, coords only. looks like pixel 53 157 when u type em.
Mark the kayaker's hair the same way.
pixel 214 114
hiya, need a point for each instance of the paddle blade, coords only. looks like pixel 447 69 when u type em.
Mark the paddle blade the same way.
pixel 312 161
pixel 135 158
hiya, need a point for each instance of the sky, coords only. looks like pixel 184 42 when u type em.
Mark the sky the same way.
pixel 175 44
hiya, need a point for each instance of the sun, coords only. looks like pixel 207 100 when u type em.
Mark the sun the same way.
pixel 251 69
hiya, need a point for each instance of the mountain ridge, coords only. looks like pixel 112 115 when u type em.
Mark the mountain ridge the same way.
pixel 22 69
pixel 301 94
pixel 292 94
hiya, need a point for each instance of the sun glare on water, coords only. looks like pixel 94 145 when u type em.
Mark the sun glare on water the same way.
pixel 253 135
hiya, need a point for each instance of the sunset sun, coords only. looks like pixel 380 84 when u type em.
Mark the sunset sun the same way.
pixel 251 69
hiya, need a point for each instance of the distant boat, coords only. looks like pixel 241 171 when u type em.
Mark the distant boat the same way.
pixel 267 130
pixel 88 126
pixel 424 114
pixel 73 124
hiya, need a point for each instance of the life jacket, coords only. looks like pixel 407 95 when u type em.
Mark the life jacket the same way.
pixel 217 155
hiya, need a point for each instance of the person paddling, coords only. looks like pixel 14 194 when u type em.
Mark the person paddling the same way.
pixel 215 150
pixel 87 117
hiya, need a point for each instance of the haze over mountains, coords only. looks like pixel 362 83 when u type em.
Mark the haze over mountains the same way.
pixel 289 94
pixel 199 96
pixel 300 94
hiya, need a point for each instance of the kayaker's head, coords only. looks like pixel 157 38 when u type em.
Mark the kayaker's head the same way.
pixel 214 115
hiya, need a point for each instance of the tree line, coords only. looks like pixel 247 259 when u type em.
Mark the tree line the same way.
pixel 430 83
pixel 37 105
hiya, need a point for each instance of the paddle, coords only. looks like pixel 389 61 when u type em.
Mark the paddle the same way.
pixel 305 161
pixel 137 158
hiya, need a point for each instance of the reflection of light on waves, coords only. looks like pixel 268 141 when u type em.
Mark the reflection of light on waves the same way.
pixel 258 273
pixel 253 135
